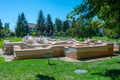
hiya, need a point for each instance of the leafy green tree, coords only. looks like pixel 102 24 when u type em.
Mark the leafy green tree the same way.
pixel 49 25
pixel 78 29
pixel 58 25
pixel 40 23
pixel 107 10
pixel 6 29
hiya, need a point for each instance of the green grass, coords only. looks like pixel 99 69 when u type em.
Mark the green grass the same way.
pixel 14 39
pixel 107 39
pixel 2 59
pixel 38 69
pixel 96 38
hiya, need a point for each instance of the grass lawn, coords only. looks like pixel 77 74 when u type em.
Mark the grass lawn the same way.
pixel 38 69
pixel 96 38
pixel 14 39
pixel 2 59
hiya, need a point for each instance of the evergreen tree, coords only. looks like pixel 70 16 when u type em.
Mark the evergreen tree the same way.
pixel 24 24
pixel 1 25
pixel 18 28
pixel 22 28
pixel 6 29
pixel 1 28
pixel 49 25
pixel 65 25
pixel 58 24
pixel 40 23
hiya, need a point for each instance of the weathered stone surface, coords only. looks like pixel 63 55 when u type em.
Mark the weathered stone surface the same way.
pixel 37 47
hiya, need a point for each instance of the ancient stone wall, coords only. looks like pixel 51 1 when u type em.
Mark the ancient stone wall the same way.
pixel 57 51
pixel 90 51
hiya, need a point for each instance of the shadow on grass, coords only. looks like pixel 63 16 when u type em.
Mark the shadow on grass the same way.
pixel 51 64
pixel 118 62
pixel 43 77
pixel 113 74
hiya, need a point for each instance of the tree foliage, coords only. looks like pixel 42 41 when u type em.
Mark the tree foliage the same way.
pixel 49 25
pixel 58 25
pixel 1 25
pixel 106 10
pixel 40 23
pixel 22 28
pixel 65 25
pixel 6 29
pixel 1 29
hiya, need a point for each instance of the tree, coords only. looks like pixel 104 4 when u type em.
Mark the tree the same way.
pixel 97 27
pixel 58 25
pixel 40 23
pixel 49 25
pixel 6 29
pixel 78 29
pixel 24 24
pixel 106 10
pixel 65 25
pixel 22 28
pixel 18 28
pixel 1 29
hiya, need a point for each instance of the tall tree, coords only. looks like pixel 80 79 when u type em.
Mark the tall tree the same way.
pixel 6 29
pixel 58 24
pixel 40 23
pixel 65 25
pixel 1 29
pixel 1 25
pixel 24 25
pixel 49 25
pixel 22 28
pixel 18 28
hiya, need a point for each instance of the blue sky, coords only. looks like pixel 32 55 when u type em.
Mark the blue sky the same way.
pixel 57 8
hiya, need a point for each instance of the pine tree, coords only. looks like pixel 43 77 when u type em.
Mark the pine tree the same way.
pixel 1 25
pixel 58 24
pixel 49 25
pixel 40 23
pixel 22 28
pixel 1 28
pixel 18 29
pixel 24 25
pixel 65 25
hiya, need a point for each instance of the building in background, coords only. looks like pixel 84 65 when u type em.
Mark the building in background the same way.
pixel 32 27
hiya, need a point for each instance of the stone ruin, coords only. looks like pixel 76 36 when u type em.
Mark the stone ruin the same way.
pixel 36 47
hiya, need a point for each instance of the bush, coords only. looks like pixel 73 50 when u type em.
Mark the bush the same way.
pixel 112 33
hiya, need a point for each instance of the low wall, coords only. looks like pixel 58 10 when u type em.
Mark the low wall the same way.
pixel 90 51
pixel 8 46
pixel 56 51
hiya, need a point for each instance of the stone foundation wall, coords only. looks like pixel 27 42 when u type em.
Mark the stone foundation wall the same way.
pixel 91 52
pixel 57 51
pixel 8 46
